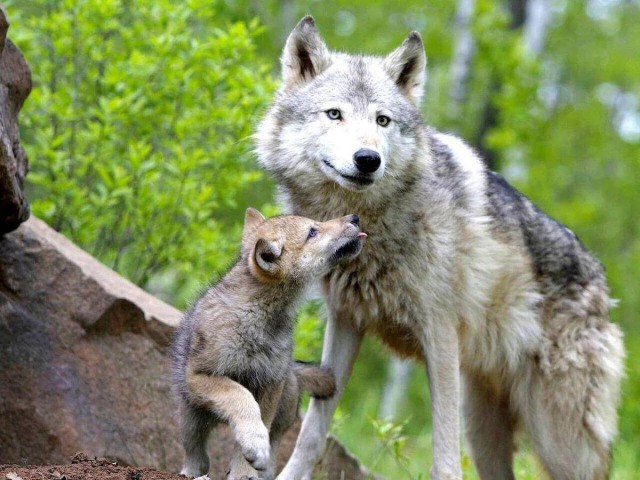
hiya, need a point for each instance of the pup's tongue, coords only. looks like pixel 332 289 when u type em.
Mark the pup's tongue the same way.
pixel 361 235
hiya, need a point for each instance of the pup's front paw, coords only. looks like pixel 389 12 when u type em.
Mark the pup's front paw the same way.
pixel 254 444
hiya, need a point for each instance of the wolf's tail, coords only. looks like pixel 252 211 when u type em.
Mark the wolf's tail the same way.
pixel 315 379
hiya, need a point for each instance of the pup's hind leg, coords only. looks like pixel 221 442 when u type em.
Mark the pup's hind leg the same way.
pixel 489 430
pixel 196 426
pixel 285 417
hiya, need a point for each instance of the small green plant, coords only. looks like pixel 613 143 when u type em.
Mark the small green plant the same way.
pixel 391 441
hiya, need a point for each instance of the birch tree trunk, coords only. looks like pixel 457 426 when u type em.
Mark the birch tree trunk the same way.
pixel 538 17
pixel 533 17
pixel 463 54
pixel 395 388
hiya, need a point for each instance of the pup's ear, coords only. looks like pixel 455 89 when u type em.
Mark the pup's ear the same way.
pixel 266 255
pixel 305 55
pixel 406 66
pixel 252 218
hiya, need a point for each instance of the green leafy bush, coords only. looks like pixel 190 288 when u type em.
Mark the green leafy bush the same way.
pixel 138 130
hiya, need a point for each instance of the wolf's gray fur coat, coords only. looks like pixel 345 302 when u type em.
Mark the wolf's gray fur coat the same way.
pixel 506 307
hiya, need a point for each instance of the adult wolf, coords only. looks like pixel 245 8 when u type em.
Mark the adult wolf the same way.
pixel 461 270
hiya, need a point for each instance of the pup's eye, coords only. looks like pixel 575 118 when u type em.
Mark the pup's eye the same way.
pixel 383 120
pixel 334 114
pixel 313 232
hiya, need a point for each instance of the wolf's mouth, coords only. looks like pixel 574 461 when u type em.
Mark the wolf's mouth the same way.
pixel 359 179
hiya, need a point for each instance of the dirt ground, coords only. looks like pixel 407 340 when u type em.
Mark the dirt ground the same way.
pixel 84 468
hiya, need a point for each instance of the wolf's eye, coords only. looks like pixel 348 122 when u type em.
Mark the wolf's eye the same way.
pixel 383 120
pixel 312 232
pixel 334 114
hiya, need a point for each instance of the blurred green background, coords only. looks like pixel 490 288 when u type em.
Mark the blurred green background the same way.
pixel 139 134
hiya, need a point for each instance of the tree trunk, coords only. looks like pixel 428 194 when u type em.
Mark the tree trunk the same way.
pixel 537 20
pixel 15 85
pixel 533 17
pixel 463 54
pixel 395 389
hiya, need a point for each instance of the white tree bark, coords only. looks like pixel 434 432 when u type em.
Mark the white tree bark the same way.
pixel 395 388
pixel 463 53
pixel 538 17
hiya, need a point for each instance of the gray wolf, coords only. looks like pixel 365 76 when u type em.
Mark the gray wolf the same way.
pixel 232 354
pixel 506 307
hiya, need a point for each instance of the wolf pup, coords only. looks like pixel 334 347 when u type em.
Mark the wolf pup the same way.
pixel 462 271
pixel 232 355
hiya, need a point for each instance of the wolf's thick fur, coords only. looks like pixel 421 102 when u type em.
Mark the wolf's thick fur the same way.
pixel 231 356
pixel 461 270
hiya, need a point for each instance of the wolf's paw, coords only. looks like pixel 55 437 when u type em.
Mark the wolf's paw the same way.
pixel 295 472
pixel 254 444
pixel 445 473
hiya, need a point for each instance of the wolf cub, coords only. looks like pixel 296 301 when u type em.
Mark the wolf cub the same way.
pixel 232 354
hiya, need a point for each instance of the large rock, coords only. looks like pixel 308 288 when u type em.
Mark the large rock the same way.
pixel 15 85
pixel 83 363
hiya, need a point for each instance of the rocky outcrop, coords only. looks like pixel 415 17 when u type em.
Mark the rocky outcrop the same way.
pixel 15 85
pixel 84 365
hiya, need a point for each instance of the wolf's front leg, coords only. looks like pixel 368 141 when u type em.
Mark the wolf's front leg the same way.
pixel 439 340
pixel 340 349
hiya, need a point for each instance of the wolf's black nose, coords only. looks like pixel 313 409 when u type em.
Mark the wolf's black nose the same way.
pixel 367 160
pixel 355 219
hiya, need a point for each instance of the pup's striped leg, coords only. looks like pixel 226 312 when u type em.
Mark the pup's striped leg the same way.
pixel 196 426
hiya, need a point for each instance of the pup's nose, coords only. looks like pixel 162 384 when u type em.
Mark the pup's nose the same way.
pixel 367 160
pixel 354 219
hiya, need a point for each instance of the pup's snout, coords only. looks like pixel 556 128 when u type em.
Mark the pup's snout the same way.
pixel 367 160
pixel 354 219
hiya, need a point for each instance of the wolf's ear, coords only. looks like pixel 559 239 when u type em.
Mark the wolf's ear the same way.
pixel 406 65
pixel 252 218
pixel 305 55
pixel 266 255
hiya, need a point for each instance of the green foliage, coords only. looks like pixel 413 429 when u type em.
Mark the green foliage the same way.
pixel 391 440
pixel 308 334
pixel 138 130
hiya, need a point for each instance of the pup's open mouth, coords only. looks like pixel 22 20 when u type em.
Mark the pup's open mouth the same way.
pixel 362 180
pixel 349 248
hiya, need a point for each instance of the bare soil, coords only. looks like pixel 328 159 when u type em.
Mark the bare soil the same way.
pixel 84 468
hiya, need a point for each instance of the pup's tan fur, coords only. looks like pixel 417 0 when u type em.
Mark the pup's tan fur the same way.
pixel 233 351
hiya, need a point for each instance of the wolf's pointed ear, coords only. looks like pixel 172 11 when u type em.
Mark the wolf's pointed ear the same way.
pixel 266 255
pixel 305 55
pixel 406 66
pixel 252 218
